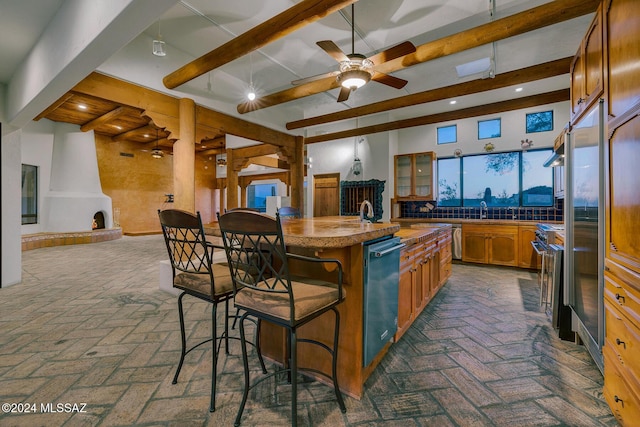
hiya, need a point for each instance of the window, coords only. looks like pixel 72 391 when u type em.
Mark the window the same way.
pixel 447 134
pixel 29 194
pixel 449 182
pixel 257 195
pixel 537 182
pixel 489 129
pixel 540 122
pixel 500 179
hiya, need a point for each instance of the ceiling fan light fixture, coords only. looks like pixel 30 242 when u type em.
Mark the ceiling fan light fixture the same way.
pixel 251 94
pixel 157 153
pixel 354 79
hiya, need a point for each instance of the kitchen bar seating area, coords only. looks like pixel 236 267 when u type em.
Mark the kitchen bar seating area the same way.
pixel 481 353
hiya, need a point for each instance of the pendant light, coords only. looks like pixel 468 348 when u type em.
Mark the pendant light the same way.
pixel 159 45
pixel 157 153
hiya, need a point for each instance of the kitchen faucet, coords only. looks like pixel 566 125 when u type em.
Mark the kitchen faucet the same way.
pixel 369 207
pixel 483 209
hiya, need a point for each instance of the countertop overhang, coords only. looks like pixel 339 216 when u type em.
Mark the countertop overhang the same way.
pixel 326 232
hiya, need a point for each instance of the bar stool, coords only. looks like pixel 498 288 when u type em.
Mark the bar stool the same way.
pixel 195 274
pixel 254 241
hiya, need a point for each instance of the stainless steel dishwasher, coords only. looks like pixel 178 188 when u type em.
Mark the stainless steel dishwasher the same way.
pixel 381 276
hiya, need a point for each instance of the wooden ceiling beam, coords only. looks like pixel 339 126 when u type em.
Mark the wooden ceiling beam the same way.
pixel 270 162
pixel 234 126
pixel 301 14
pixel 480 110
pixel 103 119
pixel 255 151
pixel 53 107
pixel 532 19
pixel 523 75
pixel 133 132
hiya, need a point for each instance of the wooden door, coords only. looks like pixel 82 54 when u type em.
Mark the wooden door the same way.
pixel 326 194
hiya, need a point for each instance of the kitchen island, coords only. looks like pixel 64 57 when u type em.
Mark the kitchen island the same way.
pixel 342 238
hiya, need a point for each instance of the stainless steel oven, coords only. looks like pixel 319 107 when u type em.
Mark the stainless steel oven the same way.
pixel 550 279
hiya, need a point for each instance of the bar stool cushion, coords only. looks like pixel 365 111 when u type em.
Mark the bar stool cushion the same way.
pixel 201 283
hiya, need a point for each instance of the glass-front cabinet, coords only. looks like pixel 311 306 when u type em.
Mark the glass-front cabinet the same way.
pixel 414 174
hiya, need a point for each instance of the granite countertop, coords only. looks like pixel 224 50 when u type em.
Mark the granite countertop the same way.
pixel 420 232
pixel 410 221
pixel 326 232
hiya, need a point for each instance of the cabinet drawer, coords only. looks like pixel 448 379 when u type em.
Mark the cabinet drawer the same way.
pixel 622 399
pixel 620 287
pixel 623 338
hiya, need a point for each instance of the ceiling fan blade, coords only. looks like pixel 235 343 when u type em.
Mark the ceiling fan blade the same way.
pixel 388 80
pixel 314 78
pixel 333 50
pixel 394 52
pixel 344 94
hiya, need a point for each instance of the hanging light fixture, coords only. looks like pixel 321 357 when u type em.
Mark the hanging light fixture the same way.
pixel 159 45
pixel 157 153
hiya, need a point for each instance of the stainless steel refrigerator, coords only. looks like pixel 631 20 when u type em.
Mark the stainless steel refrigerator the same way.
pixel 584 223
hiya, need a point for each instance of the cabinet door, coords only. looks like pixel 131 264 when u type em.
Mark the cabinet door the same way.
pixel 403 175
pixel 424 175
pixel 623 44
pixel 474 244
pixel 577 84
pixel 593 61
pixel 529 258
pixel 418 290
pixel 558 181
pixel 624 197
pixel 405 293
pixel 503 248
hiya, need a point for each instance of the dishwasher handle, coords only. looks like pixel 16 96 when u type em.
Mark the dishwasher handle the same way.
pixel 379 254
pixel 536 247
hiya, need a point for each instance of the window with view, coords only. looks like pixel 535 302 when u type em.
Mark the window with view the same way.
pixel 508 179
pixel 257 195
pixel 29 194
pixel 447 134
pixel 489 129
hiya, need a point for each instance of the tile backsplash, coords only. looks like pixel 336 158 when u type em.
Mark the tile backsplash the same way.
pixel 420 209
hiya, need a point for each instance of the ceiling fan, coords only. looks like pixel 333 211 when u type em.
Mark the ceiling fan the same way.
pixel 356 70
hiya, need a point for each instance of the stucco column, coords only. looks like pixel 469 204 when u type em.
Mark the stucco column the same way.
pixel 297 175
pixel 184 157
pixel 232 181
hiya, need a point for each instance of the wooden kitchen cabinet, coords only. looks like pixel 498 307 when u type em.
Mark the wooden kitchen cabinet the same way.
pixel 622 39
pixel 414 176
pixel 587 69
pixel 490 244
pixel 624 197
pixel 421 265
pixel 622 342
pixel 528 257
pixel 405 292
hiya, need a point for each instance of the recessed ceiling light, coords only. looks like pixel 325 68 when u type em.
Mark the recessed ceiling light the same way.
pixel 146 135
pixel 82 106
pixel 453 102
pixel 118 127
pixel 203 146
pixel 518 89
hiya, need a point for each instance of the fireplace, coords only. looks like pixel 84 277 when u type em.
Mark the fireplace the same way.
pixel 98 221
pixel 75 194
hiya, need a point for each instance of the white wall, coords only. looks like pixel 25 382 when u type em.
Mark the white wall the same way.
pixel 377 151
pixel 423 138
pixel 37 146
pixel 11 210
